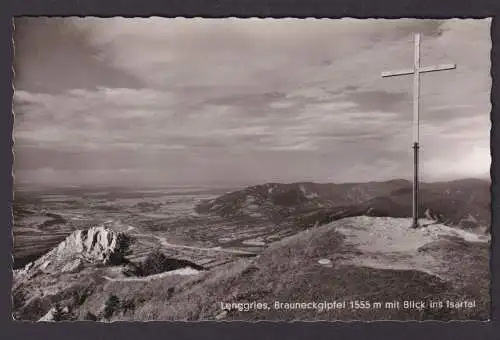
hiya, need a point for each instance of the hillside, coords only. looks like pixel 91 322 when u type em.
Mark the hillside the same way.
pixel 309 242
pixel 464 203
pixel 292 270
pixel 82 262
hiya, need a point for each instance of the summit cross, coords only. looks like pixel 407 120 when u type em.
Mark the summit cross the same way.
pixel 416 71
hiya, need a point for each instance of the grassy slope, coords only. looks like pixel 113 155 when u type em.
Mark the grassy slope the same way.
pixel 289 272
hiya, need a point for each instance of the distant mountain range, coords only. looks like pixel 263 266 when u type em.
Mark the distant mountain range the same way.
pixel 462 203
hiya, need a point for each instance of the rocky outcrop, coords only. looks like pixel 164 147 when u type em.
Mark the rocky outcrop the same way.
pixel 96 245
pixel 73 266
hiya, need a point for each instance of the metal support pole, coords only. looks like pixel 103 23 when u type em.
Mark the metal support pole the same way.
pixel 416 148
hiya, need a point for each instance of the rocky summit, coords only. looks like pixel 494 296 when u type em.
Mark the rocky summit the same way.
pixel 96 245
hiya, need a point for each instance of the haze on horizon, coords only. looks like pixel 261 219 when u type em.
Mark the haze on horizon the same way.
pixel 177 101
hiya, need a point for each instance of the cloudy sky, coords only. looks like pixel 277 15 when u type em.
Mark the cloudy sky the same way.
pixel 179 101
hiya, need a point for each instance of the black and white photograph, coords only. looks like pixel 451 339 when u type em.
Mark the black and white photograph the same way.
pixel 192 169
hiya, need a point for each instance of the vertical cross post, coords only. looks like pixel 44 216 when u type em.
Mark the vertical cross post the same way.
pixel 416 71
pixel 416 132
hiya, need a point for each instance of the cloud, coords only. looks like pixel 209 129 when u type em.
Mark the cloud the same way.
pixel 51 56
pixel 249 100
pixel 474 162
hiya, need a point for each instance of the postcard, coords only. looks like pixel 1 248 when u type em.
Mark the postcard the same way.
pixel 189 169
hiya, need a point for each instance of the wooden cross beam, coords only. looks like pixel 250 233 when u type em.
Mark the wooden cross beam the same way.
pixel 416 71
